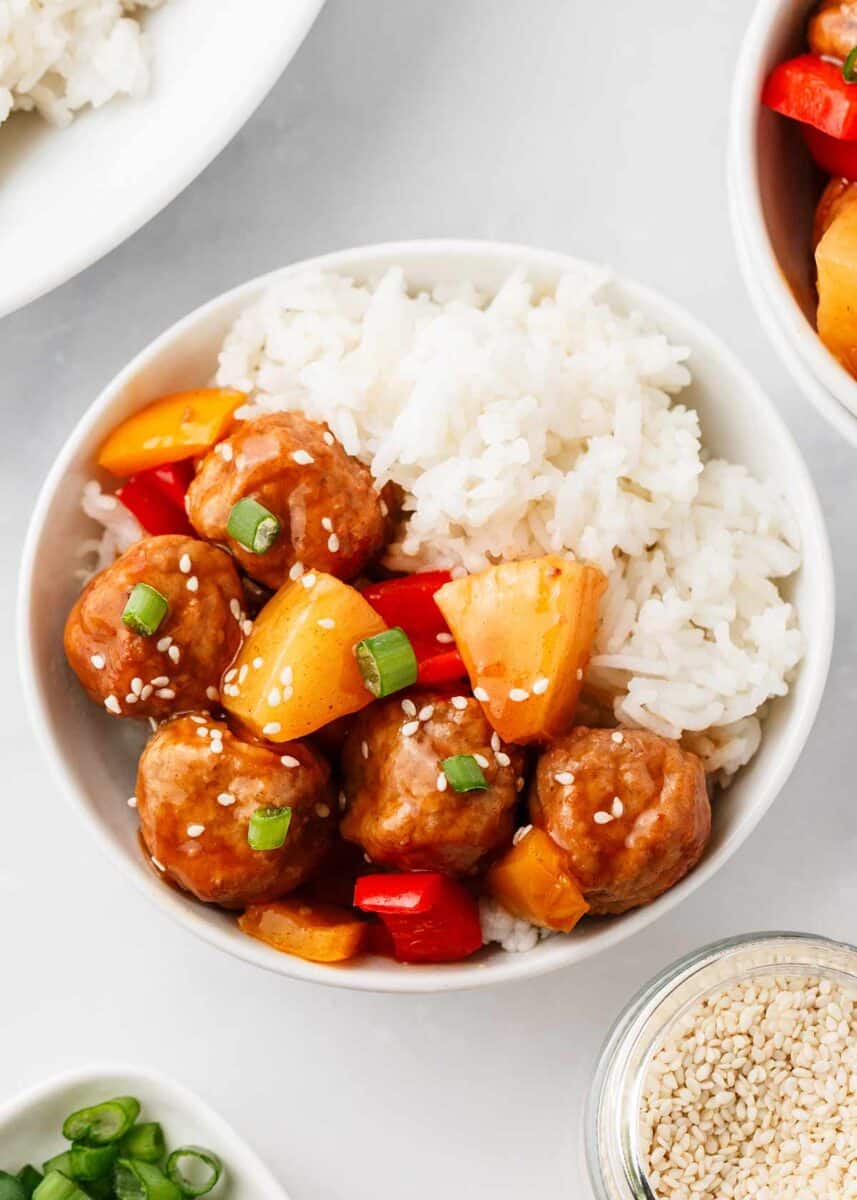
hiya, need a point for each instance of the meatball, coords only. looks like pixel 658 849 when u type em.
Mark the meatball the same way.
pixel 401 808
pixel 832 30
pixel 180 665
pixel 198 784
pixel 629 807
pixel 331 516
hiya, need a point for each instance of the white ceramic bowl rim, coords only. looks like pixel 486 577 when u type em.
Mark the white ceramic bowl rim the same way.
pixel 503 966
pixel 819 374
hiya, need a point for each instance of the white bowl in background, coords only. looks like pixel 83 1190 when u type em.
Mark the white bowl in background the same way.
pixel 68 196
pixel 774 187
pixel 31 1124
pixel 95 756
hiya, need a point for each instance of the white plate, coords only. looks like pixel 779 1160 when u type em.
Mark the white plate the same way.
pixel 96 756
pixel 31 1125
pixel 67 196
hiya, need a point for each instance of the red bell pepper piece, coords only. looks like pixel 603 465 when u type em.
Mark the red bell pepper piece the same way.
pixel 835 157
pixel 150 505
pixel 173 479
pixel 437 662
pixel 813 91
pixel 409 603
pixel 430 917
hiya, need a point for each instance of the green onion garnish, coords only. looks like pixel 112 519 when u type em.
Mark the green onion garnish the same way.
pixel 103 1123
pixel 144 1142
pixel 92 1162
pixel 133 1180
pixel 194 1170
pixel 268 827
pixel 11 1187
pixel 59 1162
pixel 55 1186
pixel 30 1179
pixel 253 526
pixel 387 662
pixel 145 610
pixel 849 67
pixel 464 773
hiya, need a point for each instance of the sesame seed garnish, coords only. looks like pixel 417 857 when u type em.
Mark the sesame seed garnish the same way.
pixel 97 661
pixel 146 691
pixel 242 674
pixel 617 737
pixel 426 712
pixel 328 438
pixel 164 644
pixel 295 571
pixel 132 801
pixel 131 698
pixel 495 741
pixel 303 458
pixel 333 543
pixel 230 674
pixel 174 653
pixel 153 725
pixel 272 727
pixel 385 511
pixel 503 759
pixel 112 704
pixel 343 802
pixel 326 623
pixel 408 707
pixel 308 580
pixel 226 799
pixel 579 674
pixel 327 524
pixel 286 675
pixel 441 782
pixel 602 818
pixel 445 639
pixel 165 693
pixel 246 627
pixel 518 695
pixel 482 760
pixel 564 778
pixel 520 834
pixel 195 830
pixel 274 697
pixel 480 694
pixel 235 609
pixel 289 760
pixel 212 693
pixel 160 681
pixel 215 746
pixel 540 685
pixel 322 810
pixel 136 685
pixel 185 564
pixel 192 584
pixel 288 692
pixel 202 731
pixel 197 720
pixel 157 863
pixel 459 702
pixel 410 728
pixel 226 451
pixel 617 807
pixel 364 749
pixel 229 689
pixel 258 662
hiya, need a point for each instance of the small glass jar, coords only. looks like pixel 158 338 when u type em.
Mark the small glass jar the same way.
pixel 611 1131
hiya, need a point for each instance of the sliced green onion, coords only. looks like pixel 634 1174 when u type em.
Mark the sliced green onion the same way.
pixel 101 1189
pixel 59 1162
pixel 849 67
pixel 144 1142
pixel 253 526
pixel 269 826
pixel 135 1180
pixel 92 1162
pixel 145 610
pixel 387 662
pixel 11 1187
pixel 55 1186
pixel 30 1179
pixel 194 1170
pixel 464 773
pixel 103 1123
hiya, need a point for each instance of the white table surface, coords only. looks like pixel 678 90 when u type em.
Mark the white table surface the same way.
pixel 598 129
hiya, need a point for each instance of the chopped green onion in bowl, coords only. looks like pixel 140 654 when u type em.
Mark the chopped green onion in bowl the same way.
pixel 145 610
pixel 194 1169
pixel 464 773
pixel 269 826
pixel 387 662
pixel 253 526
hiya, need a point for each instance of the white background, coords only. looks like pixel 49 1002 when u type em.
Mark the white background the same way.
pixel 594 128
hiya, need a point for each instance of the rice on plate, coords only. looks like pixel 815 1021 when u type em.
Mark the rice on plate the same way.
pixel 57 56
pixel 526 424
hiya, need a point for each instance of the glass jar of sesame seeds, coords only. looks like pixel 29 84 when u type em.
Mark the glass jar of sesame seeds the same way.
pixel 732 1074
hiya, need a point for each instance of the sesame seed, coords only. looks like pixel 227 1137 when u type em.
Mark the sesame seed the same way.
pixel 295 571
pixel 459 702
pixel 136 685
pixel 322 810
pixel 215 746
pixel 302 458
pixel 579 674
pixel 343 802
pixel 326 623
pixel 212 693
pixel 246 628
pixel 185 564
pixel 495 741
pixel 226 452
pixel 518 695
pixel 131 698
pixel 195 830
pixel 274 697
pixel 164 644
pixel 197 720
pixel 192 584
pixel 286 675
pixel 230 674
pixel 442 782
pixel 157 863
pixel 226 799
pixel 174 653
pixel 146 692
pixel 288 692
pixel 153 725
pixel 112 704
pixel 258 662
pixel 229 689
pixel 327 524
pixel 308 580
pixel 243 672
pixel 333 543
pixel 410 728
pixel 541 685
pixel 445 639
pixel 617 738
pixel 235 609
pixel 564 778
pixel 385 511
pixel 503 759
pixel 426 712
pixel 289 760
pixel 480 694
pixel 617 807
pixel 160 681
pixel 97 661
pixel 271 728
pixel 202 731
pixel 409 708
pixel 364 749
pixel 482 760
pixel 132 801
pixel 602 818
pixel 520 834
pixel 165 693
pixel 328 438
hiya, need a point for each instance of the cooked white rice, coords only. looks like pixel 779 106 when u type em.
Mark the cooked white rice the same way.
pixel 57 56
pixel 525 424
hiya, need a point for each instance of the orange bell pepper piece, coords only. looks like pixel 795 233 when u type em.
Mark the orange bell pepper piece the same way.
pixel 318 932
pixel 174 427
pixel 532 881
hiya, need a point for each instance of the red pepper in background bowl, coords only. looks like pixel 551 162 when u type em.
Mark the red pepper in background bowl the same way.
pixel 409 604
pixel 430 917
pixel 156 498
pixel 814 91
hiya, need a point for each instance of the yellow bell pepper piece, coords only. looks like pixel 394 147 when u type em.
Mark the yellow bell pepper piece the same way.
pixel 175 427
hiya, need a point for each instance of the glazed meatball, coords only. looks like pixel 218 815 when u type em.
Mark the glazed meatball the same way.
pixel 401 808
pixel 629 807
pixel 197 787
pixel 331 516
pixel 180 665
pixel 832 30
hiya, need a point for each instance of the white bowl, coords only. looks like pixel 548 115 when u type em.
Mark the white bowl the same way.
pixel 31 1124
pixel 773 190
pixel 70 195
pixel 93 754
